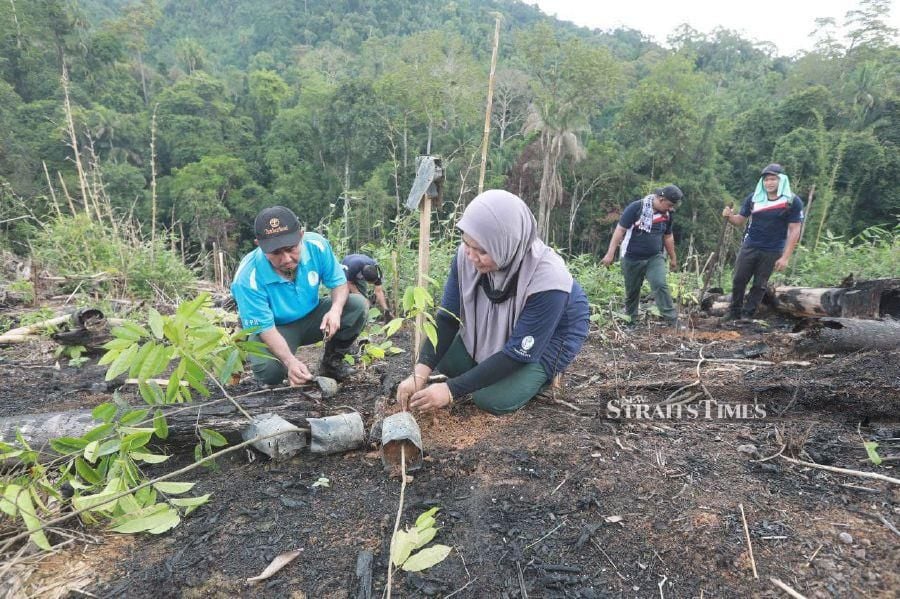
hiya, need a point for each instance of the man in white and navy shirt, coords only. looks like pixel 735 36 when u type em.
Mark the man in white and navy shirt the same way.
pixel 276 288
pixel 644 231
pixel 775 215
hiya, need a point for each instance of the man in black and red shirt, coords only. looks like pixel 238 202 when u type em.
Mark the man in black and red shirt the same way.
pixel 775 215
pixel 644 230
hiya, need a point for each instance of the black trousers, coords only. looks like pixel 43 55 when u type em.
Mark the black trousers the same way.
pixel 758 265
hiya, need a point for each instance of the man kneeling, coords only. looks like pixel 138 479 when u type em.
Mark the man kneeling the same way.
pixel 276 288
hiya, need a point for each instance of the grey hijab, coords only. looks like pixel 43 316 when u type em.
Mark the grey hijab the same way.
pixel 504 226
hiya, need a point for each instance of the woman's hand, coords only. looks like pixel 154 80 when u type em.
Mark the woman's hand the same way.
pixel 432 397
pixel 407 388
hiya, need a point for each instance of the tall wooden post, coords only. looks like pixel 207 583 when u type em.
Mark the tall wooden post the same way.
pixel 490 101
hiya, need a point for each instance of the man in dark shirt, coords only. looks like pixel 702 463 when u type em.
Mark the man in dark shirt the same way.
pixel 361 270
pixel 775 215
pixel 644 229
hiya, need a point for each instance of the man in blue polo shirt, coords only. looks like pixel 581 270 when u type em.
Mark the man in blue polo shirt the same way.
pixel 276 288
pixel 644 230
pixel 775 215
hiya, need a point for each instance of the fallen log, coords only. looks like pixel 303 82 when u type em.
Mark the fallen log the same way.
pixel 845 335
pixel 864 299
pixel 182 419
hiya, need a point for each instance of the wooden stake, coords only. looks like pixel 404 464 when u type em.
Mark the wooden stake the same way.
pixel 749 545
pixel 490 100
pixel 424 257
pixel 62 183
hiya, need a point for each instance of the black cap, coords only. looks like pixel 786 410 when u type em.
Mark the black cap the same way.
pixel 772 169
pixel 372 273
pixel 275 228
pixel 671 193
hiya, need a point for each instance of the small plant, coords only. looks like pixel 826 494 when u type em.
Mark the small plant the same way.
pixel 25 288
pixel 374 341
pixel 190 339
pixel 75 354
pixel 405 542
pixel 872 452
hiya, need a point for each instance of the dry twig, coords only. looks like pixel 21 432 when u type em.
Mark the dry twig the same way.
pixel 749 545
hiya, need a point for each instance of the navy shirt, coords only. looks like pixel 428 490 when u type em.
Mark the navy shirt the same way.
pixel 353 265
pixel 639 244
pixel 769 221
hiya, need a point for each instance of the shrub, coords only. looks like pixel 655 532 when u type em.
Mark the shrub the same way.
pixel 76 246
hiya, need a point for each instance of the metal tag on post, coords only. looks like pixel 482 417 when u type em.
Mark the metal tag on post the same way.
pixel 429 174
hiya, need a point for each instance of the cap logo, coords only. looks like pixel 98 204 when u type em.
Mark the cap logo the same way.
pixel 275 227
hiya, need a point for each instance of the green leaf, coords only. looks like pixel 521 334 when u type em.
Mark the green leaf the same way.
pixel 136 440
pixel 32 522
pixel 423 299
pixel 66 445
pixel 109 447
pixel 110 356
pixel 122 363
pixel 426 558
pixel 8 503
pixel 90 451
pixel 86 472
pixel 171 488
pixel 118 344
pixel 213 438
pixel 139 359
pixel 99 432
pixel 430 332
pixel 105 411
pixel 422 520
pixel 151 362
pixel 155 321
pixel 150 458
pixel 151 392
pixel 190 503
pixel 409 299
pixel 872 451
pixel 402 545
pixel 232 364
pixel 133 417
pixel 426 535
pixel 155 523
pixel 160 426
pixel 130 330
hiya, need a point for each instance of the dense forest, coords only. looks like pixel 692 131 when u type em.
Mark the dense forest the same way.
pixel 188 116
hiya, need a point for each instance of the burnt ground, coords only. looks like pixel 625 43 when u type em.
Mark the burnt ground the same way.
pixel 570 497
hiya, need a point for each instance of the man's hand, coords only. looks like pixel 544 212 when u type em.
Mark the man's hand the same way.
pixel 781 263
pixel 432 397
pixel 607 259
pixel 297 372
pixel 407 388
pixel 387 316
pixel 727 212
pixel 331 323
pixel 673 263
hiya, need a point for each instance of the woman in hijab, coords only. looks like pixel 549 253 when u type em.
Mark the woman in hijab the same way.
pixel 511 317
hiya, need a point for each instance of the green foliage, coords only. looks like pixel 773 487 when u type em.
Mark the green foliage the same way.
pixel 405 542
pixel 78 246
pixel 871 448
pixel 190 340
pixel 872 254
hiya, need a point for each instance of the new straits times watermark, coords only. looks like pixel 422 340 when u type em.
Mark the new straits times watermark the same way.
pixel 637 407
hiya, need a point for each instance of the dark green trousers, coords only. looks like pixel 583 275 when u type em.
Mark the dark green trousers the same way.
pixel 504 396
pixel 654 270
pixel 306 331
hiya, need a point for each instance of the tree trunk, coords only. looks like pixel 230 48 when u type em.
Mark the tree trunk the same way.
pixel 223 417
pixel 865 299
pixel 846 335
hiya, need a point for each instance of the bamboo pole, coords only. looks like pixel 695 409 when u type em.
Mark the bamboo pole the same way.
pixel 424 257
pixel 70 123
pixel 152 176
pixel 490 100
pixel 52 191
